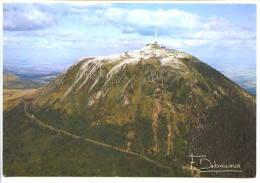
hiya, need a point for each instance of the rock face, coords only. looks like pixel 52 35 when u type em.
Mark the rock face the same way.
pixel 162 103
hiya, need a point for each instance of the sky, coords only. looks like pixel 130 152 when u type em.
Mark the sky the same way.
pixel 39 33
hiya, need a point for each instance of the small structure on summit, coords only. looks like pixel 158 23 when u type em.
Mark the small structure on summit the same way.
pixel 155 39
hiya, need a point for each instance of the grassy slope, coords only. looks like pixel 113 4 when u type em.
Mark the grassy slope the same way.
pixel 190 95
pixel 114 124
pixel 11 81
pixel 11 97
pixel 108 122
pixel 30 150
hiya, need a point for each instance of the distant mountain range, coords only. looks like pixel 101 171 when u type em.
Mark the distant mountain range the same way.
pixel 139 113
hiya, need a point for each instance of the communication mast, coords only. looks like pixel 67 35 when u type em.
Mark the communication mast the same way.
pixel 155 36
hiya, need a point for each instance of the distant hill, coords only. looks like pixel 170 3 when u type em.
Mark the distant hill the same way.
pixel 11 81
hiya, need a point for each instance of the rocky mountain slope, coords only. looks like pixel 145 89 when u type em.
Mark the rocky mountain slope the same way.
pixel 159 103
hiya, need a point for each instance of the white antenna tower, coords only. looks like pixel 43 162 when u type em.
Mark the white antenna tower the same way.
pixel 155 36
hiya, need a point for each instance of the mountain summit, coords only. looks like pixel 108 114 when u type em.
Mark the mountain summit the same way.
pixel 86 75
pixel 159 103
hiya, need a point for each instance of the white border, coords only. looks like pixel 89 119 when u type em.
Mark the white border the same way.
pixel 120 179
pixel 1 96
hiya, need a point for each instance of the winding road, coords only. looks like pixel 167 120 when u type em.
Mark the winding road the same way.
pixel 31 116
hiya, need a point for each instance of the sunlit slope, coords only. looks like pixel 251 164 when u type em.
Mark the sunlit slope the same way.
pixel 11 81
pixel 160 103
pixel 11 97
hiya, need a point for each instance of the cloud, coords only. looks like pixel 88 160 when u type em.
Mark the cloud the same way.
pixel 20 17
pixel 89 5
pixel 144 21
pixel 15 42
pixel 49 39
pixel 38 16
pixel 193 29
pixel 78 25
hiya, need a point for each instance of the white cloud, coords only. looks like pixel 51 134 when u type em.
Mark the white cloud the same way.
pixel 176 28
pixel 84 5
pixel 139 18
pixel 28 17
pixel 50 39
pixel 189 28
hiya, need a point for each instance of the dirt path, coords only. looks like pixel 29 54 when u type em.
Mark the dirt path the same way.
pixel 31 116
pixel 155 115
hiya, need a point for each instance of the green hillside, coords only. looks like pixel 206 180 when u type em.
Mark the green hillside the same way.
pixel 11 81
pixel 158 103
pixel 32 150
